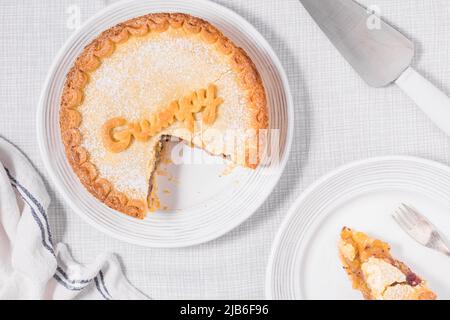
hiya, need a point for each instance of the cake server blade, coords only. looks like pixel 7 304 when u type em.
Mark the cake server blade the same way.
pixel 379 53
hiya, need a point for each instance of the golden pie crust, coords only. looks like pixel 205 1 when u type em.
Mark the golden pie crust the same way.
pixel 104 47
pixel 375 273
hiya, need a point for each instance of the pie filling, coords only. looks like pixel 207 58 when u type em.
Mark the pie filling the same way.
pixel 376 273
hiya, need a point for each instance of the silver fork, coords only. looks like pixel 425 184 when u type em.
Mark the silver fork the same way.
pixel 420 229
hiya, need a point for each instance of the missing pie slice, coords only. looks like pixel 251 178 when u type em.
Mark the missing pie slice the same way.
pixel 153 77
pixel 374 272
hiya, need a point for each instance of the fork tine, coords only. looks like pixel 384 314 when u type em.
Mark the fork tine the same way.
pixel 409 215
pixel 402 222
pixel 402 215
pixel 402 225
pixel 397 219
pixel 416 214
pixel 420 228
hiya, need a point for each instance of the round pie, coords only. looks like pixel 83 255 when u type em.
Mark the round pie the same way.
pixel 149 79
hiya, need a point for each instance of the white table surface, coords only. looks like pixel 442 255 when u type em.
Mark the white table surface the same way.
pixel 338 119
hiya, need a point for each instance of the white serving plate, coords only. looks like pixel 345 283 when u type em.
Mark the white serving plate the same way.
pixel 203 204
pixel 304 261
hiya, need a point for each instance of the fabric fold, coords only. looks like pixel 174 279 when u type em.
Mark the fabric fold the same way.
pixel 31 265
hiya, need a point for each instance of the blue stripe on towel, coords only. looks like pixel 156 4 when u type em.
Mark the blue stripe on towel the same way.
pixel 66 285
pixel 64 274
pixel 36 203
pixel 102 280
pixel 77 285
pixel 98 288
pixel 41 227
pixel 45 230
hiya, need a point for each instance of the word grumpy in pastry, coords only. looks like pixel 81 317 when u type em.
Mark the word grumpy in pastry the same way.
pixel 203 100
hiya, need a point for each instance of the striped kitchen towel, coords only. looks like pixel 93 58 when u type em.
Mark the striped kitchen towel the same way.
pixel 31 266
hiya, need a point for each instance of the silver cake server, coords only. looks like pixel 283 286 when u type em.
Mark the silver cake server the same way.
pixel 379 53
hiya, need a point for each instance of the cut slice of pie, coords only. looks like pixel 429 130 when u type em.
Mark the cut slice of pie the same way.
pixel 148 79
pixel 376 273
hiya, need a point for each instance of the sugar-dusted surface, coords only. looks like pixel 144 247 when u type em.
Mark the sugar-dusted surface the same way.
pixel 142 76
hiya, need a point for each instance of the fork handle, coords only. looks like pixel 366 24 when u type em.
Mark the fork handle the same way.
pixel 432 101
pixel 439 245
pixel 446 252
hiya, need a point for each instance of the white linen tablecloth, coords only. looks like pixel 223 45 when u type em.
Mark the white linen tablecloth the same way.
pixel 338 119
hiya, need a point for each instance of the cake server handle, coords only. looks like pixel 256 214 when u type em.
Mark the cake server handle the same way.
pixel 432 101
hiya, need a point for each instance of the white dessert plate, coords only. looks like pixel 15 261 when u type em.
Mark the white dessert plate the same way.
pixel 304 261
pixel 201 202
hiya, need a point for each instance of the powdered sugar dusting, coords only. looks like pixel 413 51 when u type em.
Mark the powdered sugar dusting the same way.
pixel 141 77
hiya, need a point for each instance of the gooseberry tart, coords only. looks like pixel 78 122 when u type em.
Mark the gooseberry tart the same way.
pixel 148 79
pixel 373 271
